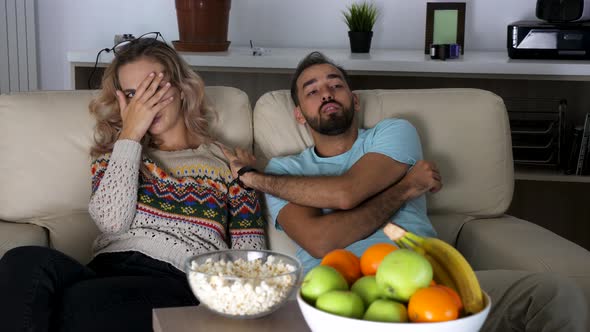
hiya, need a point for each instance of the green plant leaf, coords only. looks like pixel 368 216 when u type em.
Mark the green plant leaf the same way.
pixel 361 17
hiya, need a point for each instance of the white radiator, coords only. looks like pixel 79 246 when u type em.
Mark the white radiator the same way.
pixel 18 46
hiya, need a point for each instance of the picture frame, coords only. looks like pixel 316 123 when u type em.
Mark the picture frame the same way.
pixel 445 24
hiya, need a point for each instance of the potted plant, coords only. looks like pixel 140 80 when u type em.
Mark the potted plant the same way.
pixel 202 25
pixel 360 19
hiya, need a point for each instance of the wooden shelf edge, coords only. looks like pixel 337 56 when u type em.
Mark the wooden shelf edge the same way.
pixel 548 175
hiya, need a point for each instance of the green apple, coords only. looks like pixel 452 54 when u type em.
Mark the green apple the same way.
pixel 366 288
pixel 319 280
pixel 401 273
pixel 386 311
pixel 342 303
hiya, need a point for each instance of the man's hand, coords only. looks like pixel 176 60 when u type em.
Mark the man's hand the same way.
pixel 238 159
pixel 143 107
pixel 423 177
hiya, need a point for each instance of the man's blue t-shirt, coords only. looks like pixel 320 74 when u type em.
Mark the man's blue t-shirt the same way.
pixel 394 138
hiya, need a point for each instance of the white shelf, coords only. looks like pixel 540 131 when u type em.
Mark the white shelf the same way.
pixel 378 62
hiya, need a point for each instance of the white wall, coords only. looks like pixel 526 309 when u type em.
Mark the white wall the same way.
pixel 65 25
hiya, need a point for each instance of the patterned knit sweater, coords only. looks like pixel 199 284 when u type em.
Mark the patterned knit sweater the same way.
pixel 170 205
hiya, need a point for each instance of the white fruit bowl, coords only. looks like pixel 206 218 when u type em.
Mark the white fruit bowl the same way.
pixel 248 284
pixel 321 321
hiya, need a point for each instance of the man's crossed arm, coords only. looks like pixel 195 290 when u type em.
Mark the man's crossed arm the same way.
pixel 320 233
pixel 368 195
pixel 371 174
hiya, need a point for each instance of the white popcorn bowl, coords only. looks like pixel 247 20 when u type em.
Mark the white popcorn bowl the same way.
pixel 229 296
pixel 321 321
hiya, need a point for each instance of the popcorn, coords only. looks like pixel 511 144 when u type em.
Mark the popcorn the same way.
pixel 220 286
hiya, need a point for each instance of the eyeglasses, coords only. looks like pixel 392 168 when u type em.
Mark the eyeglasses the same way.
pixel 150 36
pixel 121 46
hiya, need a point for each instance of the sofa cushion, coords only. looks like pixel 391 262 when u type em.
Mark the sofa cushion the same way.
pixel 16 235
pixel 279 240
pixel 233 123
pixel 515 244
pixel 72 233
pixel 45 142
pixel 448 226
pixel 490 244
pixel 465 131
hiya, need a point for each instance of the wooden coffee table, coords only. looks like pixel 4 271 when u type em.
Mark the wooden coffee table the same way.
pixel 288 318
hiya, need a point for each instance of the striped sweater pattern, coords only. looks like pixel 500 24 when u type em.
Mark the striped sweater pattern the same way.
pixel 171 205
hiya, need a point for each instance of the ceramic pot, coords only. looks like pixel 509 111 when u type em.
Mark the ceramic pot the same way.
pixel 202 25
pixel 360 42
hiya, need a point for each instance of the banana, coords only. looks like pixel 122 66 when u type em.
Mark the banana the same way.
pixel 440 273
pixel 460 271
pixel 447 259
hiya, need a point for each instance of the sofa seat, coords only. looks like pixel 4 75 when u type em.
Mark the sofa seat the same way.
pixel 515 244
pixel 18 234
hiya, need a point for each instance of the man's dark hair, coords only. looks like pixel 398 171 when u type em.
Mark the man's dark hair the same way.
pixel 312 59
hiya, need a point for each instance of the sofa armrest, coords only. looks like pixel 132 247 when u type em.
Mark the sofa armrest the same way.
pixel 511 243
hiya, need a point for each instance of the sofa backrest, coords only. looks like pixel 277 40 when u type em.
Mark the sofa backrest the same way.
pixel 465 131
pixel 45 139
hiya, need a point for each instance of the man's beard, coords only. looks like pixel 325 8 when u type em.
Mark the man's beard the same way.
pixel 335 123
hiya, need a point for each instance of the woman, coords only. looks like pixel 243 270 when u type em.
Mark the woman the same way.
pixel 161 192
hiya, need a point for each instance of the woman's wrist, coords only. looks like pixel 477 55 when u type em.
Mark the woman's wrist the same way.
pixel 128 134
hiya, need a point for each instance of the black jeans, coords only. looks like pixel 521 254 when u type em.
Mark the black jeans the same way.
pixel 42 289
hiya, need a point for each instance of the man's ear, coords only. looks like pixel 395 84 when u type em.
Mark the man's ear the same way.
pixel 298 115
pixel 356 102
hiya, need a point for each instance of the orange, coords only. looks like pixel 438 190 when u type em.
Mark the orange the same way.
pixel 347 263
pixel 454 294
pixel 432 304
pixel 373 256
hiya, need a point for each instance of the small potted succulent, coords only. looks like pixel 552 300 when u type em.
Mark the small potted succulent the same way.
pixel 360 19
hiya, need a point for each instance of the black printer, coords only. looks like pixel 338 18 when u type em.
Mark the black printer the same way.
pixel 548 40
pixel 562 33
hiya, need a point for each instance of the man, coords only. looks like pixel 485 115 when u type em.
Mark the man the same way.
pixel 367 167
pixel 340 192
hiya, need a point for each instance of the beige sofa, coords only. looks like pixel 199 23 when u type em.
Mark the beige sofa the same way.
pixel 45 179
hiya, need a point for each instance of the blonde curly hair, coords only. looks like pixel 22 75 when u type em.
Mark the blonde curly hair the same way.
pixel 105 108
